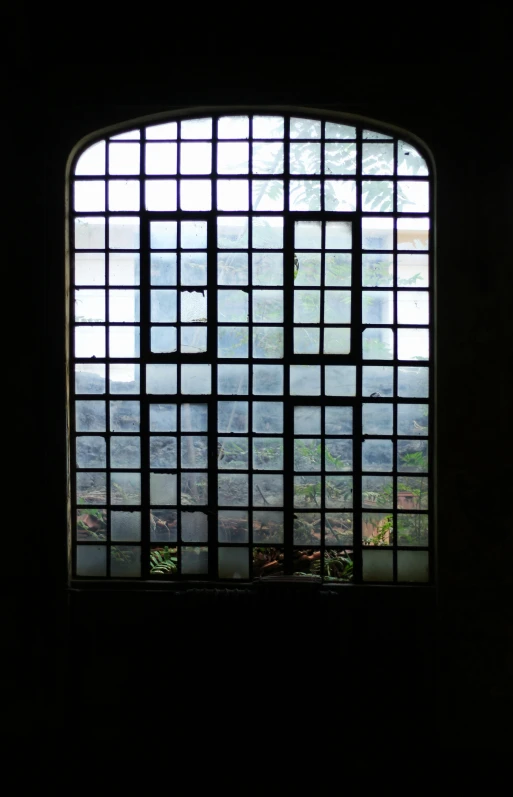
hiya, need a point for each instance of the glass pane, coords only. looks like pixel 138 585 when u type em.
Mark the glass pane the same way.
pixel 337 340
pixel 378 492
pixel 306 340
pixel 89 378
pixel 413 382
pixel 232 525
pixel 340 195
pixel 196 379
pixel 163 234
pixel 305 128
pixel 307 528
pixel 268 127
pixel 412 196
pixel 89 341
pixel 232 232
pixel 232 305
pixel 412 307
pixel 196 128
pixel 232 268
pixel 377 196
pixel 412 419
pixel 305 195
pixel 267 268
pixel 124 416
pixel 377 419
pixel 91 524
pixel 125 452
pixel 338 420
pixel 412 492
pixel 337 269
pixel 124 158
pixel 307 235
pixel 267 489
pixel 195 561
pixel 412 456
pixel 124 341
pixel 268 158
pixel 337 307
pixel 233 195
pixel 340 380
pixel 125 526
pixel 267 306
pixel 339 131
pixel 305 380
pixel 307 307
pixel 338 235
pixel 233 563
pixel 377 307
pixel 412 529
pixel 194 417
pixel 89 268
pixel 232 379
pixel 161 379
pixel 268 342
pixel 194 488
pixel 307 454
pixel 125 488
pixel 125 561
pixel 377 381
pixel 267 195
pixel 195 194
pixel 164 131
pixel 194 526
pixel 89 195
pixel 195 158
pixel 268 416
pixel 307 420
pixel 377 565
pixel 92 560
pixel 90 233
pixel 268 453
pixel 377 158
pixel 413 271
pixel 268 527
pixel 124 268
pixel 232 489
pixel 413 566
pixel 90 416
pixel 194 451
pixel 268 232
pixel 339 491
pixel 232 342
pixel 233 127
pixel 162 452
pixel 232 453
pixel 377 528
pixel 163 339
pixel 193 235
pixel 163 561
pixel 193 340
pixel 410 161
pixel 232 416
pixel 377 233
pixel 162 417
pixel 377 270
pixel 412 344
pixel 340 158
pixel 378 344
pixel 413 233
pixel 305 158
pixel 124 195
pixel 193 268
pixel 91 488
pixel 193 306
pixel 124 232
pixel 338 528
pixel 307 268
pixel 160 159
pixel 377 455
pixel 123 305
pixel 338 454
pixel 268 380
pixel 92 160
pixel 163 525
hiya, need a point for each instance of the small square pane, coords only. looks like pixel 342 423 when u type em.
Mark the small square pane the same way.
pixel 162 417
pixel 305 380
pixel 161 379
pixel 306 340
pixel 160 159
pixel 340 380
pixel 268 232
pixel 233 563
pixel 163 340
pixel 195 158
pixel 193 340
pixel 194 417
pixel 305 195
pixel 268 380
pixel 196 379
pixel 124 341
pixel 195 194
pixel 163 234
pixel 232 379
pixel 232 195
pixel 233 158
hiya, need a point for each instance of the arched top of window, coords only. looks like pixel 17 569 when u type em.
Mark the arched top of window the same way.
pixel 251 344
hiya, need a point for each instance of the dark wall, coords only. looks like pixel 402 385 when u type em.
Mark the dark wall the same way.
pixel 435 661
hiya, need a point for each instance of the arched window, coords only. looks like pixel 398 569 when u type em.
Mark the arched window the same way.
pixel 250 350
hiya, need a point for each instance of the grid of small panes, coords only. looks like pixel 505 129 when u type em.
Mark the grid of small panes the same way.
pixel 251 352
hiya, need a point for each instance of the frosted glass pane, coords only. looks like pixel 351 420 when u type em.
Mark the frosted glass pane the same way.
pixel 413 566
pixel 377 565
pixel 233 563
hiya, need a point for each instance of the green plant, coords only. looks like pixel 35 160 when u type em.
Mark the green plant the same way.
pixel 163 561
